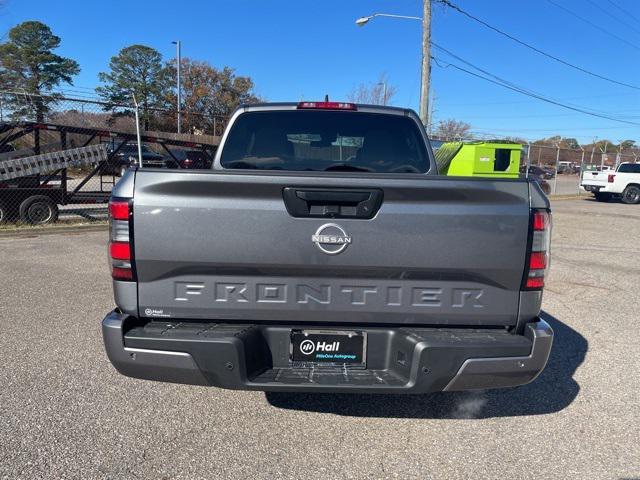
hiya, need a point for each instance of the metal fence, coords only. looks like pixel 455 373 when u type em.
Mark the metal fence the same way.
pixel 560 167
pixel 46 171
pixel 45 152
pixel 563 167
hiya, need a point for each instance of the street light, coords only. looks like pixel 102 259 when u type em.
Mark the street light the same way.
pixel 426 51
pixel 362 21
pixel 178 62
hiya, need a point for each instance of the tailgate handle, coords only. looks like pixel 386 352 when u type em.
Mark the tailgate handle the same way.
pixel 332 203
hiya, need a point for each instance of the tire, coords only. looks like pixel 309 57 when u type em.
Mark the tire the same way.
pixel 631 195
pixel 602 197
pixel 38 210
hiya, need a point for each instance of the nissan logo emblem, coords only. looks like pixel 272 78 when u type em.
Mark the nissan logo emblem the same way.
pixel 331 239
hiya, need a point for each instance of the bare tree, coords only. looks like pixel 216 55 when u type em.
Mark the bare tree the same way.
pixel 451 129
pixel 377 93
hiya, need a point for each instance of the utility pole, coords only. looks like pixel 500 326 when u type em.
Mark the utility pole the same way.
pixel 426 62
pixel 426 52
pixel 178 67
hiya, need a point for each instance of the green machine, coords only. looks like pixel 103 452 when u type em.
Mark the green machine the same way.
pixel 479 159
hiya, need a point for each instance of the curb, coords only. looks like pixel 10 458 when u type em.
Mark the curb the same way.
pixel 568 197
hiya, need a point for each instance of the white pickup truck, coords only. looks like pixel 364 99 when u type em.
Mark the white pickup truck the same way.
pixel 623 183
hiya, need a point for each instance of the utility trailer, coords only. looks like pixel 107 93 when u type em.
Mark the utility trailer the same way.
pixel 32 188
pixel 26 189
pixel 479 159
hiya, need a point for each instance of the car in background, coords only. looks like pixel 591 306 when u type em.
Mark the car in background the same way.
pixel 566 167
pixel 624 183
pixel 190 159
pixel 544 173
pixel 127 156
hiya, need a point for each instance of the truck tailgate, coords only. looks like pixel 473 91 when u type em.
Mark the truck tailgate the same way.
pixel 224 246
pixel 595 178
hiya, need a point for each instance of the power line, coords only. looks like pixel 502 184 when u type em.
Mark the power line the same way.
pixel 626 12
pixel 615 17
pixel 518 87
pixel 570 129
pixel 510 86
pixel 594 25
pixel 548 115
pixel 537 50
pixel 514 102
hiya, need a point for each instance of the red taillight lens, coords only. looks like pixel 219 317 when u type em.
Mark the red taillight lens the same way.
pixel 540 219
pixel 327 105
pixel 120 251
pixel 611 178
pixel 535 283
pixel 119 210
pixel 538 261
pixel 119 273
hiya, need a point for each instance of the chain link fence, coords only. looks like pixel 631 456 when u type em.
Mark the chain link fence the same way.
pixel 560 168
pixel 50 170
pixel 563 167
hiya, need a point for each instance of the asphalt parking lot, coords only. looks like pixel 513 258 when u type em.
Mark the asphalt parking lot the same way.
pixel 66 413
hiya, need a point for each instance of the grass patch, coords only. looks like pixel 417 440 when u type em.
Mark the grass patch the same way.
pixel 59 225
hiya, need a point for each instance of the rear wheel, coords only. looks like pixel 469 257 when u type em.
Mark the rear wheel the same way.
pixel 38 210
pixel 631 194
pixel 602 197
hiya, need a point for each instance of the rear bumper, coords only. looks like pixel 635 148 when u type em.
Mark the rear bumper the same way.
pixel 256 357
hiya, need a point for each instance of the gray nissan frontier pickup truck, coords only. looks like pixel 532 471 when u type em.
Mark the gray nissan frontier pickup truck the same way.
pixel 323 253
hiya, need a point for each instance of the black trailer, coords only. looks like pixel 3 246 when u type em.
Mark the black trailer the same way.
pixel 32 188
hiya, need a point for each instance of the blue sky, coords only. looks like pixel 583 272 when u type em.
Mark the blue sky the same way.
pixel 304 49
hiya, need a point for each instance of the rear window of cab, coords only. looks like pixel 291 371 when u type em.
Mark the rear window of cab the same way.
pixel 306 140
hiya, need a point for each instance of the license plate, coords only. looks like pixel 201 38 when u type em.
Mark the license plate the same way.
pixel 324 346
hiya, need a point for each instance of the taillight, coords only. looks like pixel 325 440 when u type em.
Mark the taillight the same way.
pixel 538 260
pixel 120 247
pixel 610 178
pixel 327 105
